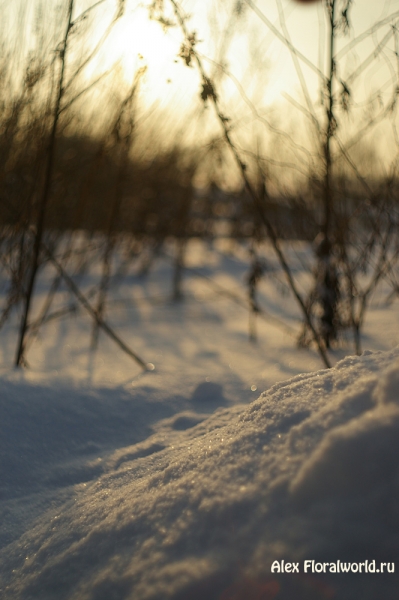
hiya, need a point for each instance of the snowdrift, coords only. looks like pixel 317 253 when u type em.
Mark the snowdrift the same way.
pixel 309 471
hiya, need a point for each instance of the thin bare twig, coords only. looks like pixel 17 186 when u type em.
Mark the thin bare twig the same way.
pixel 99 321
pixel 210 93
pixel 39 230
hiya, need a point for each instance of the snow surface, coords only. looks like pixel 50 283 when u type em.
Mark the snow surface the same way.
pixel 309 470
pixel 171 484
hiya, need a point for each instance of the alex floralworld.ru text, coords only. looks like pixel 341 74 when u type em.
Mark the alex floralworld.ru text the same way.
pixel 311 566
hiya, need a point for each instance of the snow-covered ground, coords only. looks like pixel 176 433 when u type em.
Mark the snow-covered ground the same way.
pixel 182 482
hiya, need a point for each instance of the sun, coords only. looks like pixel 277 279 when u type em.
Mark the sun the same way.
pixel 135 41
pixel 135 37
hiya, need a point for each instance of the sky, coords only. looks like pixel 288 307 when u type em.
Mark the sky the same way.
pixel 136 34
pixel 136 40
pixel 258 67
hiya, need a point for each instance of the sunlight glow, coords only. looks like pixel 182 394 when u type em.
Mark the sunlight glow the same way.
pixel 135 38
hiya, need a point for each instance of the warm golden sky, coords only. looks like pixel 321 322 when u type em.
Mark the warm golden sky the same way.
pixel 255 56
pixel 259 64
pixel 257 60
pixel 135 34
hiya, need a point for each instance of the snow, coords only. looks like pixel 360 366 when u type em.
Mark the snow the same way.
pixel 179 483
